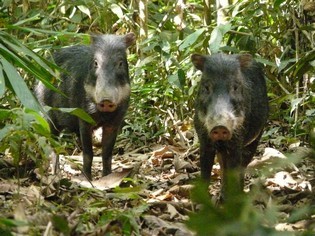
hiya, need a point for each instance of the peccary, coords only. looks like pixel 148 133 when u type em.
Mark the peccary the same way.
pixel 96 79
pixel 231 110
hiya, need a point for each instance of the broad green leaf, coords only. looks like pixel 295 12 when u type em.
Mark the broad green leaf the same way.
pixel 4 114
pixel 19 86
pixel 76 112
pixel 277 3
pixel 85 10
pixel 25 64
pixel 265 61
pixel 178 79
pixel 61 224
pixel 295 103
pixel 191 39
pixel 43 126
pixel 117 10
pixel 5 131
pixel 20 48
pixel 27 20
pixel 173 80
pixel 146 60
pixel 181 77
pixel 303 65
pixel 2 82
pixel 310 112
pixel 217 37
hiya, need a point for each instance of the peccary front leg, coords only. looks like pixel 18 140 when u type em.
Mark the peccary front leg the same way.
pixel 231 169
pixel 108 141
pixel 207 154
pixel 87 148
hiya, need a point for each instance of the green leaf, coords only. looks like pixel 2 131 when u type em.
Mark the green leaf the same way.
pixel 85 10
pixel 302 65
pixel 27 66
pixel 191 39
pixel 216 37
pixel 42 126
pixel 178 79
pixel 19 86
pixel 277 3
pixel 21 49
pixel 2 81
pixel 181 77
pixel 76 112
pixel 27 20
pixel 295 103
pixel 5 131
pixel 61 224
pixel 4 114
pixel 117 10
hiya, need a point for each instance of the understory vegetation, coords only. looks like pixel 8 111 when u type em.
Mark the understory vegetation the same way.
pixel 157 148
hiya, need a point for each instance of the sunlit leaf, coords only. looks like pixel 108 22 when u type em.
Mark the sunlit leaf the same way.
pixel 85 10
pixel 191 39
pixel 2 81
pixel 76 112
pixel 117 10
pixel 19 86
pixel 217 37
pixel 42 125
pixel 21 49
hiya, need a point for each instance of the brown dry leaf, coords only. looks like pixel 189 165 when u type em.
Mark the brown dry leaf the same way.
pixel 270 155
pixel 283 179
pixel 157 195
pixel 19 215
pixel 33 194
pixel 112 180
pixel 300 225
pixel 181 190
pixel 157 192
pixel 165 197
pixel 173 212
pixel 109 181
pixel 6 187
pixel 163 226
pixel 164 152
pixel 181 164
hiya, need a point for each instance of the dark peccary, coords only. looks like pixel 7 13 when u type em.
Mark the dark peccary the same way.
pixel 231 110
pixel 96 79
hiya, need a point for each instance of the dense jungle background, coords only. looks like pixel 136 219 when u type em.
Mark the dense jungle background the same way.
pixel 156 154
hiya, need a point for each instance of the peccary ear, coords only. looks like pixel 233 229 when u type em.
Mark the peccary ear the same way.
pixel 94 38
pixel 246 60
pixel 130 38
pixel 198 61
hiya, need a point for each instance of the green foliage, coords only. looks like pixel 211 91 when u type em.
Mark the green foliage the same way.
pixel 283 42
pixel 14 54
pixel 6 226
pixel 164 80
pixel 278 33
pixel 25 135
pixel 236 216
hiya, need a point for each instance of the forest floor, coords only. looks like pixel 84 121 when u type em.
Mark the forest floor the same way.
pixel 149 193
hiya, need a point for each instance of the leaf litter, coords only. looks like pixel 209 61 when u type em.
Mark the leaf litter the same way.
pixel 148 192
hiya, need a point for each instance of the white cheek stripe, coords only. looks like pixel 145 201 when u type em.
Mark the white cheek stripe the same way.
pixel 225 118
pixel 116 94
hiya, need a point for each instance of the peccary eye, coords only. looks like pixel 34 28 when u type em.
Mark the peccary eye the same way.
pixel 120 63
pixel 235 87
pixel 95 64
pixel 207 88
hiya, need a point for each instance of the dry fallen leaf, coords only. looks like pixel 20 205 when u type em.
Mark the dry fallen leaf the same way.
pixel 164 152
pixel 19 215
pixel 109 181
